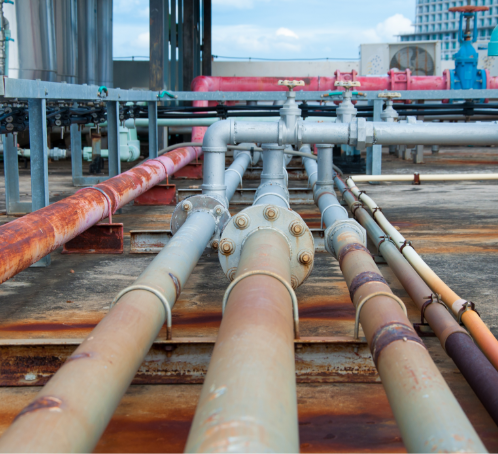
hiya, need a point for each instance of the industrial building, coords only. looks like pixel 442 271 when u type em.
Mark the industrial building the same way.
pixel 196 262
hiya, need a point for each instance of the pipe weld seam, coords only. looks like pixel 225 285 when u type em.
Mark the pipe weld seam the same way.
pixel 276 195
pixel 322 193
pixel 159 295
pixel 237 172
pixel 352 247
pixel 364 278
pixel 390 333
pixel 292 294
pixel 330 206
pixel 310 175
pixel 160 162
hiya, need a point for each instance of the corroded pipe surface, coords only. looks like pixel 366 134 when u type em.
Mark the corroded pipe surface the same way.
pixel 73 409
pixel 248 401
pixel 474 366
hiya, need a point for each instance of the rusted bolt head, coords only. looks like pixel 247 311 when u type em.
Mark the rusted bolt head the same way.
pixel 296 228
pixel 226 246
pixel 231 273
pixel 218 210
pixel 241 221
pixel 305 257
pixel 215 244
pixel 271 213
pixel 294 282
pixel 186 205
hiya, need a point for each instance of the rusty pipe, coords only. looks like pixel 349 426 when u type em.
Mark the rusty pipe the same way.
pixel 30 238
pixel 248 401
pixel 428 415
pixel 72 410
pixel 460 307
pixel 474 366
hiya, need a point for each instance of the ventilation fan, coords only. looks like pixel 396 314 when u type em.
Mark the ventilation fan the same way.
pixel 415 58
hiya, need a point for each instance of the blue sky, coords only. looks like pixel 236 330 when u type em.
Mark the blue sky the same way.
pixel 278 28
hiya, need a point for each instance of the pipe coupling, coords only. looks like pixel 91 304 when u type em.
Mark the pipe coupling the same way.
pixel 283 221
pixel 201 203
pixel 340 226
pixel 361 133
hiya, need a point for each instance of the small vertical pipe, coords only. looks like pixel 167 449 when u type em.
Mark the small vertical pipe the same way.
pixel 153 143
pixel 76 153
pixel 248 401
pixel 166 37
pixel 188 43
pixel 173 41
pixel 376 168
pixel 207 39
pixel 105 74
pixel 11 170
pixel 39 159
pixel 113 138
pixel 180 45
pixel 87 42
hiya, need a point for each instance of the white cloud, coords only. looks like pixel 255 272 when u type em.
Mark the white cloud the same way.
pixel 238 4
pixel 282 31
pixel 388 30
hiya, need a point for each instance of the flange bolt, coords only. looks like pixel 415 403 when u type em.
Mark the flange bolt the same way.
pixel 215 244
pixel 218 210
pixel 241 221
pixel 271 213
pixel 296 228
pixel 305 258
pixel 226 246
pixel 186 205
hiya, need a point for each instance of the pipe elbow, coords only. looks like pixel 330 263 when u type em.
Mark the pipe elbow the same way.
pixel 200 83
pixel 217 137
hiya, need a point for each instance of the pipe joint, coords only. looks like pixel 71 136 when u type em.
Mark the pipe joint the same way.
pixel 218 136
pixel 361 134
pixel 343 225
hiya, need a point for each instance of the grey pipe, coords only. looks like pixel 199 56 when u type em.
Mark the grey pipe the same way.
pixel 235 173
pixel 105 74
pixel 273 187
pixel 66 37
pixel 87 44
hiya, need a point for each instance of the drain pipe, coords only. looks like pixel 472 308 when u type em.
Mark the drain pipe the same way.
pixel 248 401
pixel 428 415
pixel 73 409
pixel 463 310
pixel 477 370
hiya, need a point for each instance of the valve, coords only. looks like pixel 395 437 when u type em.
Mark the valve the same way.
pixel 291 84
pixel 389 95
pixel 348 85
pixel 389 114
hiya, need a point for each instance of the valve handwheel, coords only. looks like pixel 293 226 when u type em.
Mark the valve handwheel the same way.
pixel 291 84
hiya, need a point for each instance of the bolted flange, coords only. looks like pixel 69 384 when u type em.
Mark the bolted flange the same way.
pixel 202 203
pixel 283 221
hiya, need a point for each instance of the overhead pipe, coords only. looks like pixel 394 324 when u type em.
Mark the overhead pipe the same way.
pixel 428 415
pixel 477 370
pixel 73 409
pixel 248 401
pixel 462 309
pixel 30 238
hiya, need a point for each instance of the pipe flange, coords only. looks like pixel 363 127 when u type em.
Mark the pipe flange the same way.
pixel 288 224
pixel 361 134
pixel 200 203
pixel 336 227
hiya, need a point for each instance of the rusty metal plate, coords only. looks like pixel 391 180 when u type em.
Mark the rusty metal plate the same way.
pixel 245 196
pixel 98 239
pixel 342 359
pixel 153 241
pixel 162 194
pixel 192 171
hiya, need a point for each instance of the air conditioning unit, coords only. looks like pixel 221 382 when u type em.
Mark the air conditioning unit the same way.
pixel 485 62
pixel 423 58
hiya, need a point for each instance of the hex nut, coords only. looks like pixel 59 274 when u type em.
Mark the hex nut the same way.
pixel 241 221
pixel 296 228
pixel 271 213
pixel 305 257
pixel 186 205
pixel 231 273
pixel 215 244
pixel 226 246
pixel 294 282
pixel 218 210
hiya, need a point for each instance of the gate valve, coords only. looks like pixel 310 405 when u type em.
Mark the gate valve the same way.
pixel 389 114
pixel 468 12
pixel 348 85
pixel 290 84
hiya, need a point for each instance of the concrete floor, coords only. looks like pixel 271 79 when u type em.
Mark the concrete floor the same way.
pixel 452 225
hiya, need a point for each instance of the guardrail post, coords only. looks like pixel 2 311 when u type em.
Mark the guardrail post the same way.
pixel 153 135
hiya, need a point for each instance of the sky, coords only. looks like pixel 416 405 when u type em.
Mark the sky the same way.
pixel 278 29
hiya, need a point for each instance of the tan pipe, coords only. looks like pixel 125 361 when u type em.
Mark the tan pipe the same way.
pixel 460 307
pixel 426 177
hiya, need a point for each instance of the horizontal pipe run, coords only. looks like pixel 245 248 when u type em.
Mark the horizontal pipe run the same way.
pixel 477 328
pixel 428 415
pixel 474 366
pixel 72 411
pixel 248 401
pixel 427 177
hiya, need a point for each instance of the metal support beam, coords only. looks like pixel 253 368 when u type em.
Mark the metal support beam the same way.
pixel 374 153
pixel 188 42
pixel 13 205
pixel 206 39
pixel 39 160
pixel 157 76
pixel 418 154
pixel 153 132
pixel 113 138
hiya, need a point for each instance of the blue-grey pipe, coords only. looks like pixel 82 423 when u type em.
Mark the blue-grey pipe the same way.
pixel 273 187
pixel 235 173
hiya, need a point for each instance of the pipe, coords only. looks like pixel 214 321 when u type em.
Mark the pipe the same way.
pixel 72 410
pixel 273 187
pixel 428 415
pixel 105 73
pixel 477 370
pixel 80 399
pixel 248 401
pixel 477 328
pixel 234 174
pixel 87 41
pixel 427 177
pixel 66 37
pixel 30 238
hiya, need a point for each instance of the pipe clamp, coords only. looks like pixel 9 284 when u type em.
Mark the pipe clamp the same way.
pixel 343 224
pixel 292 294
